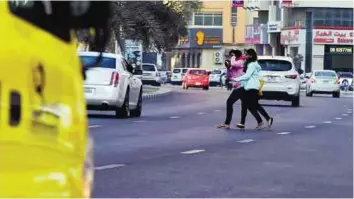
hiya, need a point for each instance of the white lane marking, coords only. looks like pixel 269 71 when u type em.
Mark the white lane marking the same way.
pixel 95 126
pixel 140 121
pixel 284 133
pixel 345 105
pixel 201 113
pixel 349 112
pixel 217 110
pixel 345 114
pixel 310 127
pixel 193 151
pixel 245 141
pixel 174 117
pixel 327 122
pixel 338 118
pixel 349 109
pixel 111 166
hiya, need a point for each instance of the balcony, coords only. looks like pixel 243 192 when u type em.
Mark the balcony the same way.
pixel 256 5
pixel 294 24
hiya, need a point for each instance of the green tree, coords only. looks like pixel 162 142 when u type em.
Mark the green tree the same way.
pixel 156 23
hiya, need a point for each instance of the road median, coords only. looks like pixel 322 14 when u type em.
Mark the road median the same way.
pixel 152 92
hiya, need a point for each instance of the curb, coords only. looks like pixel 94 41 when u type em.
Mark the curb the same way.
pixel 162 92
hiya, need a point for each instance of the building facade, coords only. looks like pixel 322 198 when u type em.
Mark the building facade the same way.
pixel 212 32
pixel 320 32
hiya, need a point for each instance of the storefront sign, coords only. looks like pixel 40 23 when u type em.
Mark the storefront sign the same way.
pixel 340 50
pixel 274 26
pixel 325 36
pixel 292 37
pixel 237 3
pixel 205 38
pixel 286 3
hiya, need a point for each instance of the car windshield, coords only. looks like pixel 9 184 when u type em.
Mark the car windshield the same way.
pixel 197 72
pixel 184 70
pixel 275 65
pixel 216 72
pixel 177 71
pixel 324 74
pixel 106 62
pixel 148 67
pixel 346 75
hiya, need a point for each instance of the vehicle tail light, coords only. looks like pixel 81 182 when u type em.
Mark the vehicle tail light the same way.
pixel 313 81
pixel 114 79
pixel 291 76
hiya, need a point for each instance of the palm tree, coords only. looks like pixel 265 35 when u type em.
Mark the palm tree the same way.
pixel 156 23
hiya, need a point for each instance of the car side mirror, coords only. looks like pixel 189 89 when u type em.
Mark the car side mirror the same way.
pixel 209 72
pixel 138 72
pixel 300 71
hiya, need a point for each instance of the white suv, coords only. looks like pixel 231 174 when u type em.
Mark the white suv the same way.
pixel 282 80
pixel 112 85
pixel 151 75
pixel 177 75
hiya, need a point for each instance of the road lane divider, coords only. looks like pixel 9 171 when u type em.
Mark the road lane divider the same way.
pixel 193 151
pixel 338 118
pixel 95 126
pixel 140 121
pixel 344 114
pixel 111 166
pixel 245 141
pixel 310 127
pixel 284 133
pixel 201 113
pixel 327 122
pixel 174 117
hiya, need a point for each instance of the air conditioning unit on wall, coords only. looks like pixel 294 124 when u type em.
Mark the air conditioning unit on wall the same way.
pixel 218 57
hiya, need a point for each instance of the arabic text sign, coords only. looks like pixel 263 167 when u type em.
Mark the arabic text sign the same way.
pixel 292 37
pixel 237 3
pixel 333 36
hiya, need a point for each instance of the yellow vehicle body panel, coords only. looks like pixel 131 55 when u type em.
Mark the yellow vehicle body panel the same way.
pixel 43 154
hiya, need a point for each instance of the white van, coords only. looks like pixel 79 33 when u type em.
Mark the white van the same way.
pixel 177 75
pixel 151 75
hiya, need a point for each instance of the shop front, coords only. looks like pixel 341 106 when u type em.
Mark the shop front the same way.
pixel 202 48
pixel 294 41
pixel 333 49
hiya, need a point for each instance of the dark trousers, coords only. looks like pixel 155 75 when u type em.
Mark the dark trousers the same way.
pixel 234 96
pixel 251 101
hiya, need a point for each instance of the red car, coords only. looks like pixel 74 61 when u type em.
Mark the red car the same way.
pixel 196 77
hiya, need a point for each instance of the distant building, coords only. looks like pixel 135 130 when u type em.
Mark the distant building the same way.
pixel 319 31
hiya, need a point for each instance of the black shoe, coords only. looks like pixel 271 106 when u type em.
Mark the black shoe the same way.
pixel 240 126
pixel 270 122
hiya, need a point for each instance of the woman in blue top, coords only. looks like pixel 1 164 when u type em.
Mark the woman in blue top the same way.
pixel 250 82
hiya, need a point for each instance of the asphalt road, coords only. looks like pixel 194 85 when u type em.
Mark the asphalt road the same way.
pixel 175 150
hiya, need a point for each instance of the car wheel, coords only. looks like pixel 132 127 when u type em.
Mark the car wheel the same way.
pixel 206 88
pixel 157 84
pixel 308 93
pixel 124 112
pixel 336 94
pixel 295 102
pixel 137 111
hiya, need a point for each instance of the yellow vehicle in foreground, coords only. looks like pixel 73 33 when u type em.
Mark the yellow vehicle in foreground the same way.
pixel 45 149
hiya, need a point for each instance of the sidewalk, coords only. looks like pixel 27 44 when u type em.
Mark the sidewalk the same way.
pixel 152 92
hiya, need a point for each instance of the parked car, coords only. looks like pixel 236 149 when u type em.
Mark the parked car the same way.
pixel 323 82
pixel 215 77
pixel 282 80
pixel 177 75
pixel 151 75
pixel 112 85
pixel 196 77
pixel 345 80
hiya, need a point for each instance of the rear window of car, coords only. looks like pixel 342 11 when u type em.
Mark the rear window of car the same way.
pixel 177 71
pixel 275 65
pixel 197 72
pixel 106 62
pixel 325 74
pixel 184 70
pixel 346 75
pixel 216 72
pixel 148 67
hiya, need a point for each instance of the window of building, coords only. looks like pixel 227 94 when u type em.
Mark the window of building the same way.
pixel 334 17
pixel 233 16
pixel 208 19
